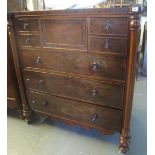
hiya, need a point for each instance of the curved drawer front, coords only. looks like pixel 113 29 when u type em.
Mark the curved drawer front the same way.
pixel 80 89
pixel 80 63
pixel 92 115
pixel 108 44
pixel 109 26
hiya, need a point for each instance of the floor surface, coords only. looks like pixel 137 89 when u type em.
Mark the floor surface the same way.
pixel 56 138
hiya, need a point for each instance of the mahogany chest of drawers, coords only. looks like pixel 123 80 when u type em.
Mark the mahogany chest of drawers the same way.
pixel 78 66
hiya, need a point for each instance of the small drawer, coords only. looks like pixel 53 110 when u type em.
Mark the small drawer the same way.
pixel 28 25
pixel 92 115
pixel 93 65
pixel 99 93
pixel 111 26
pixel 29 40
pixel 107 44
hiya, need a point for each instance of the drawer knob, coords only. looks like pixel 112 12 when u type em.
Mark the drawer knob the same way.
pixel 44 104
pixel 94 118
pixel 107 43
pixel 95 67
pixel 94 92
pixel 38 60
pixel 26 26
pixel 41 82
pixel 107 25
pixel 28 41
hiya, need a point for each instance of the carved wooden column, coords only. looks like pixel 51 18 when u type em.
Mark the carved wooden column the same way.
pixel 125 133
pixel 26 112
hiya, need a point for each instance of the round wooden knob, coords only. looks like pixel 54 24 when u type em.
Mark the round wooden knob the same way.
pixel 94 118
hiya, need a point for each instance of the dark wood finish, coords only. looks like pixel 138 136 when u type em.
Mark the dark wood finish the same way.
pixel 26 25
pixel 64 33
pixel 90 64
pixel 79 67
pixel 100 93
pixel 108 44
pixel 74 110
pixel 13 94
pixel 26 112
pixel 28 40
pixel 110 26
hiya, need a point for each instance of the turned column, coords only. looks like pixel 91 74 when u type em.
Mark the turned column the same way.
pixel 26 111
pixel 125 133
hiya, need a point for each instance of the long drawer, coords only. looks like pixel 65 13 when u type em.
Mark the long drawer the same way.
pixel 91 64
pixel 91 115
pixel 100 93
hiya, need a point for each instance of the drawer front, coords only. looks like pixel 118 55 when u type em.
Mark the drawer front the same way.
pixel 28 40
pixel 107 44
pixel 83 63
pixel 28 25
pixel 79 111
pixel 100 93
pixel 110 26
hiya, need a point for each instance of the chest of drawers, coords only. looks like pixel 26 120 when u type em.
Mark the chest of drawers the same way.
pixel 78 66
